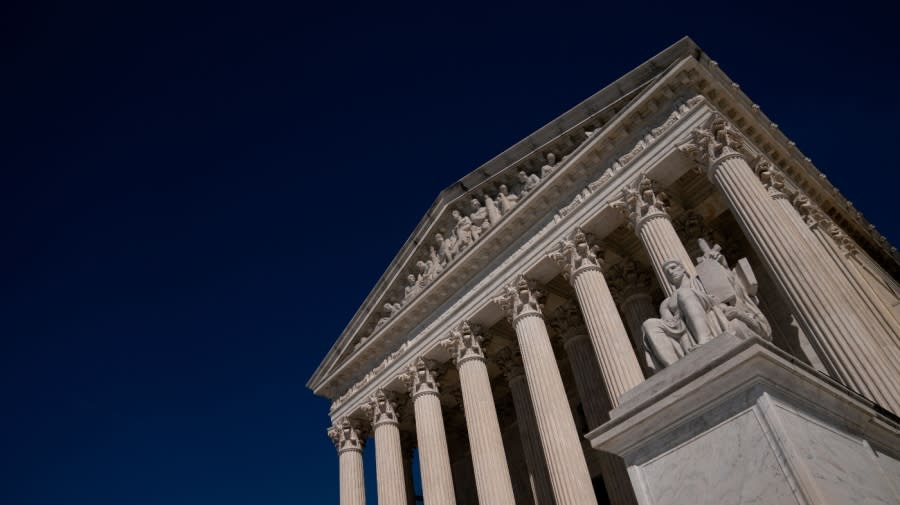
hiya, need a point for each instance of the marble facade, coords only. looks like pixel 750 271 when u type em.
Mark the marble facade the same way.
pixel 659 241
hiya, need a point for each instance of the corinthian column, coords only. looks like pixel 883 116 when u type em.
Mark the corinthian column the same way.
pixel 569 475
pixel 646 210
pixel 840 248
pixel 631 287
pixel 349 441
pixel 488 457
pixel 609 339
pixel 510 362
pixel 388 453
pixel 434 459
pixel 568 325
pixel 822 304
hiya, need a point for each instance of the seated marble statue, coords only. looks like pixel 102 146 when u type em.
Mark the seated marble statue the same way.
pixel 718 299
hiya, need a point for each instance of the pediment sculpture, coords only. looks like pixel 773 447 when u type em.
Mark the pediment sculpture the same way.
pixel 719 299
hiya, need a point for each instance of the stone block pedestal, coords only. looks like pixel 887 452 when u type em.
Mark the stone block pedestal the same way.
pixel 738 421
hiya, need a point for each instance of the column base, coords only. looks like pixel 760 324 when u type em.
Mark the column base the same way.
pixel 739 421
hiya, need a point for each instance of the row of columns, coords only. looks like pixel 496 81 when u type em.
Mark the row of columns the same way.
pixel 827 299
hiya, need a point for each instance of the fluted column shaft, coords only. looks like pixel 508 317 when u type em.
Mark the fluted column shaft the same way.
pixel 637 308
pixel 588 379
pixel 562 448
pixel 662 244
pixel 539 477
pixel 434 458
pixel 866 301
pixel 618 363
pixel 389 471
pixel 353 487
pixel 822 309
pixel 862 299
pixel 595 402
pixel 488 457
pixel 349 442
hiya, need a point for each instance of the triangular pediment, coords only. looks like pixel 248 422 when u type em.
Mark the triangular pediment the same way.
pixel 458 239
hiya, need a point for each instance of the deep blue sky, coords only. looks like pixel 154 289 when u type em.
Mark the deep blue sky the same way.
pixel 196 198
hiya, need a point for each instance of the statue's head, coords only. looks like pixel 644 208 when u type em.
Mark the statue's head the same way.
pixel 675 271
pixel 503 189
pixel 476 204
pixel 551 158
pixel 523 177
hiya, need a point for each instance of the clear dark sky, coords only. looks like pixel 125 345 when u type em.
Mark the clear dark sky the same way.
pixel 196 198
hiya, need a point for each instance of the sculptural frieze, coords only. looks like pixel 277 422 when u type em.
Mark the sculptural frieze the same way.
pixel 717 299
pixel 467 226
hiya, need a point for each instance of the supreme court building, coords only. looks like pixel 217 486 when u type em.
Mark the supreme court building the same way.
pixel 656 298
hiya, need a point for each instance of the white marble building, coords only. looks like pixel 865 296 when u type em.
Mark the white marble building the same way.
pixel 656 298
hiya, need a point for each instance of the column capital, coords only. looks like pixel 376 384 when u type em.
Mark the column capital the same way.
pixel 422 378
pixel 465 343
pixel 509 359
pixel 520 298
pixel 567 322
pixel 628 279
pixel 816 218
pixel 771 177
pixel 578 253
pixel 347 435
pixel 641 202
pixel 714 143
pixel 382 406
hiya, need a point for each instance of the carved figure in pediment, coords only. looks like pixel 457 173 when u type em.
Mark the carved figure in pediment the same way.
pixel 464 230
pixel 389 310
pixel 507 201
pixel 479 217
pixel 549 167
pixel 528 181
pixel 413 287
pixel 493 212
pixel 425 268
pixel 445 249
pixel 717 299
pixel 435 264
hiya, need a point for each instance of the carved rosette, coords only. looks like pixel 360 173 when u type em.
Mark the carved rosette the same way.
pixel 465 343
pixel 641 202
pixel 510 362
pixel 347 435
pixel 421 378
pixel 520 298
pixel 567 322
pixel 711 145
pixel 577 254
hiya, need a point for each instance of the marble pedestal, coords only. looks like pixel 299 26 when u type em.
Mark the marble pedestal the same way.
pixel 738 421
